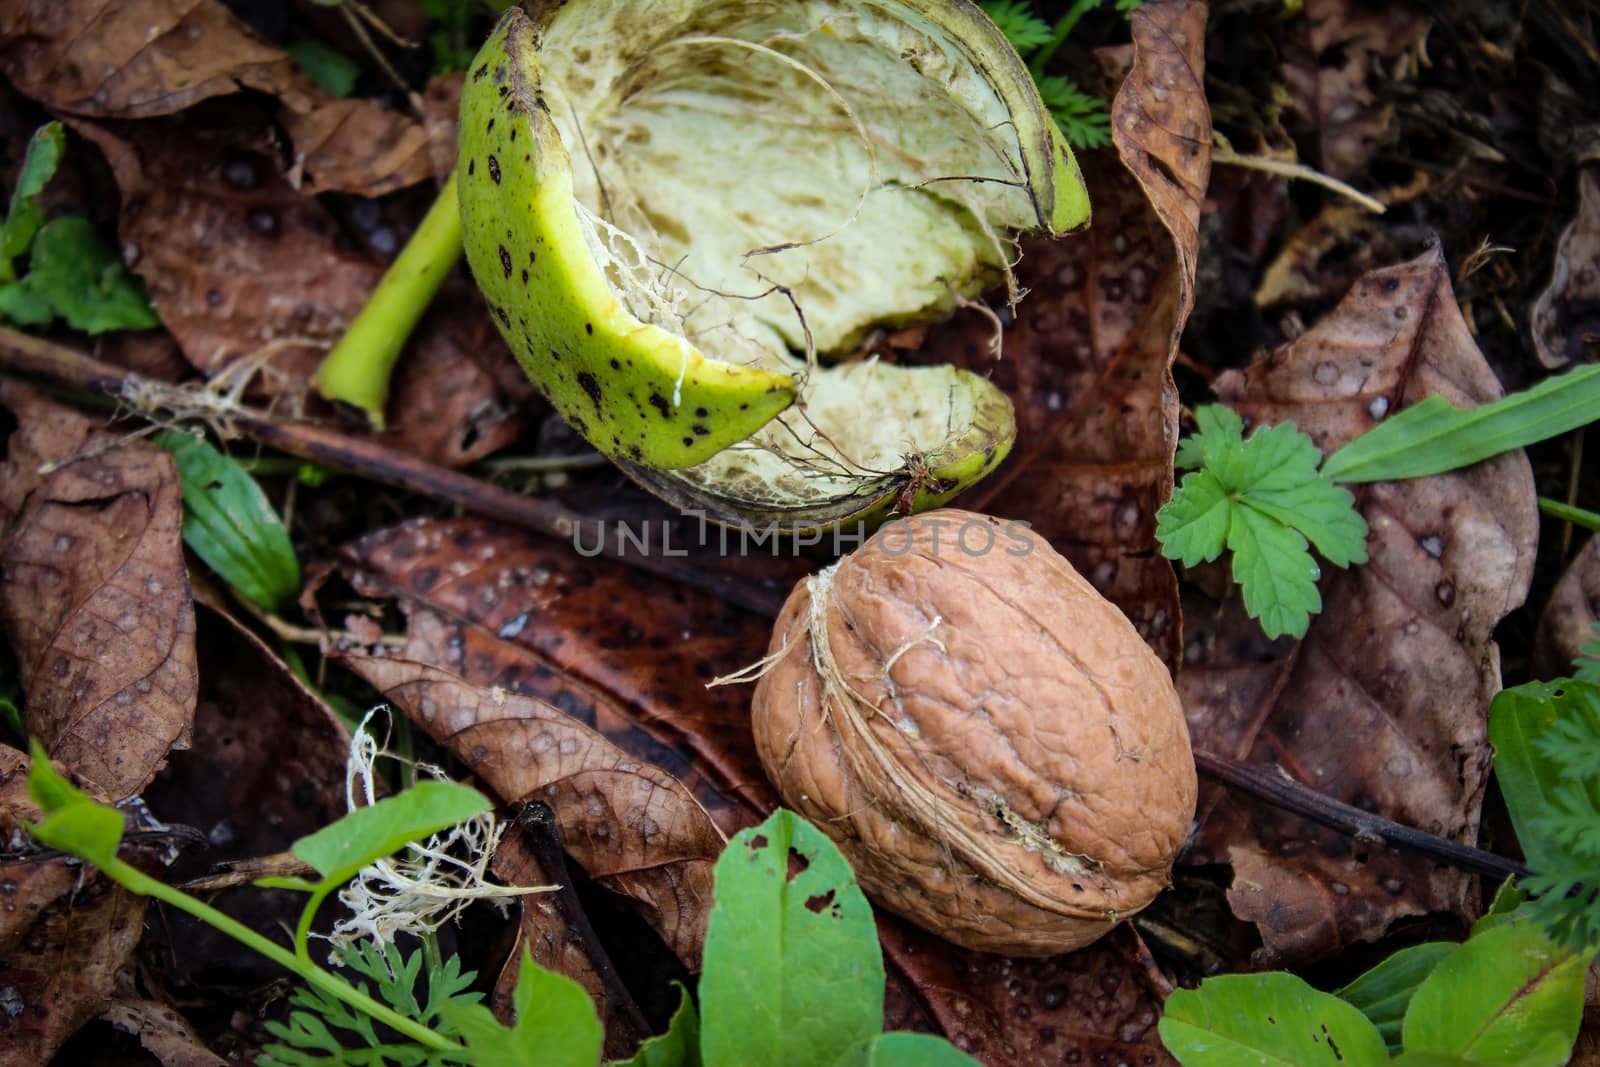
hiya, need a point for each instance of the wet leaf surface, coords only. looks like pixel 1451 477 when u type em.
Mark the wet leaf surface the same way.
pixel 95 599
pixel 65 934
pixel 164 1033
pixel 255 278
pixel 1383 704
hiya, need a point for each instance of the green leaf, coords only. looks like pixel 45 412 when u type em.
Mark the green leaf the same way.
pixel 556 1025
pixel 1083 119
pixel 25 216
pixel 1546 737
pixel 678 1047
pixel 904 1050
pixel 1427 1059
pixel 793 971
pixel 328 67
pixel 1275 572
pixel 1508 996
pixel 1015 18
pixel 1193 526
pixel 1567 513
pixel 1433 435
pixel 1267 1020
pixel 82 281
pixel 1384 992
pixel 229 523
pixel 74 822
pixel 341 849
pixel 1587 666
pixel 1262 498
pixel 23 305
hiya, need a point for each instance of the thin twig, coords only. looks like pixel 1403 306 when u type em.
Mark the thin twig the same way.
pixel 1273 785
pixel 365 458
pixel 1286 169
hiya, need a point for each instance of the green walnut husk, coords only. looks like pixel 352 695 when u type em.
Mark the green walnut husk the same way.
pixel 690 218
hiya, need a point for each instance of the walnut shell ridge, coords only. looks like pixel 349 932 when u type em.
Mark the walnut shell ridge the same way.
pixel 991 744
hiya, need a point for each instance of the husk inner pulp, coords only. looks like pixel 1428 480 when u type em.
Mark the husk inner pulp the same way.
pixel 771 180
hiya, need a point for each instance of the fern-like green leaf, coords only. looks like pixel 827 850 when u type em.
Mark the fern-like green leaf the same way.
pixel 1083 119
pixel 323 1031
pixel 1015 18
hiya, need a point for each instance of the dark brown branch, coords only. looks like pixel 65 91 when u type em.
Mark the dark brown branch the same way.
pixel 22 354
pixel 537 821
pixel 1273 785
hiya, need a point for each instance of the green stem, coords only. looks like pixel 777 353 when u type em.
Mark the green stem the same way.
pixel 1063 27
pixel 132 878
pixel 1567 513
pixel 357 371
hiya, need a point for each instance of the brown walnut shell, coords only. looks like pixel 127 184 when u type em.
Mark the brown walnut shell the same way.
pixel 996 751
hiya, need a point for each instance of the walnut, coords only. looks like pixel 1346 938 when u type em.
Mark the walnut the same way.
pixel 989 741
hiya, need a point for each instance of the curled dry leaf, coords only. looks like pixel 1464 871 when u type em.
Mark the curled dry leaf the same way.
pixel 1566 317
pixel 65 934
pixel 633 827
pixel 250 275
pixel 1330 78
pixel 1570 615
pixel 1384 703
pixel 132 61
pixel 95 598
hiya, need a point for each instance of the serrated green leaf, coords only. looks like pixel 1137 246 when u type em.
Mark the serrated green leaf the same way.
pixel 25 216
pixel 341 849
pixel 904 1050
pixel 325 65
pixel 84 281
pixel 1267 1020
pixel 678 1047
pixel 1193 525
pixel 1507 996
pixel 1323 512
pixel 1275 573
pixel 1083 119
pixel 229 522
pixel 793 971
pixel 556 1025
pixel 23 305
pixel 1383 993
pixel 1433 435
pixel 1274 459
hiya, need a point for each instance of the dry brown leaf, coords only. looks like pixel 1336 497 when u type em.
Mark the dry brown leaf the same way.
pixel 95 598
pixel 267 767
pixel 127 61
pixel 248 274
pixel 1566 316
pixel 164 1033
pixel 1569 616
pixel 441 113
pixel 65 934
pixel 555 942
pixel 633 827
pixel 1329 76
pixel 1384 703
pixel 111 60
